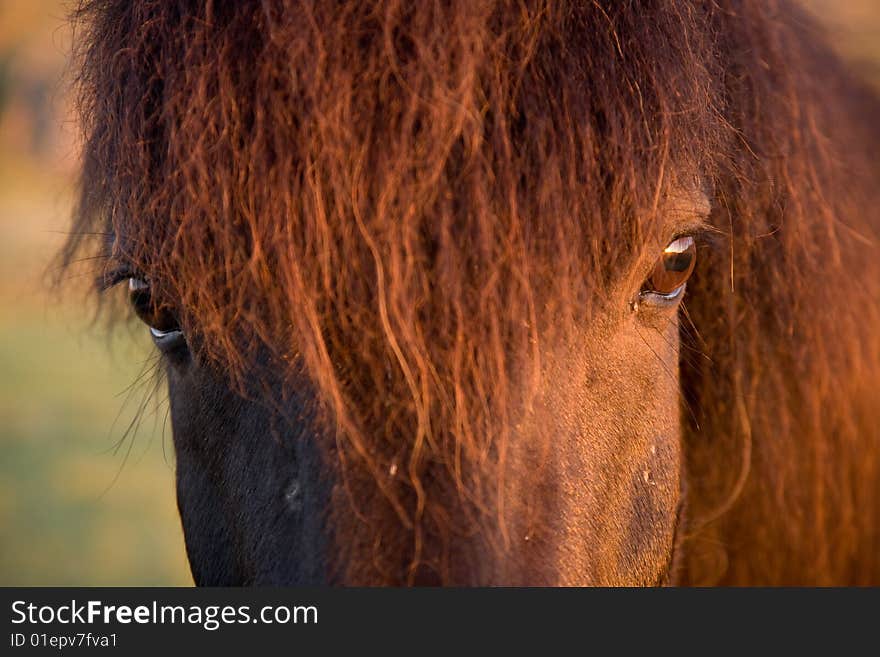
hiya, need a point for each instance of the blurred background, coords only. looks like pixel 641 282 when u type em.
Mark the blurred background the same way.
pixel 83 500
pixel 86 461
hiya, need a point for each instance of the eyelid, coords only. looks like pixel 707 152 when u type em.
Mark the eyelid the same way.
pixel 656 297
pixel 113 277
pixel 696 230
pixel 705 235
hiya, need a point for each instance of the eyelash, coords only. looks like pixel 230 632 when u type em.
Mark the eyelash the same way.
pixel 110 279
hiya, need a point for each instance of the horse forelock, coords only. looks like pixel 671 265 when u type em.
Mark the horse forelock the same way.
pixel 407 203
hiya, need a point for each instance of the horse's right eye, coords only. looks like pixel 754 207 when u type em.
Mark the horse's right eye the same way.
pixel 160 317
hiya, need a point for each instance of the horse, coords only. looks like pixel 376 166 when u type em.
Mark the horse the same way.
pixel 496 292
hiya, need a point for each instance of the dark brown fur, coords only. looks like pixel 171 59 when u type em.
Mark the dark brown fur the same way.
pixel 408 201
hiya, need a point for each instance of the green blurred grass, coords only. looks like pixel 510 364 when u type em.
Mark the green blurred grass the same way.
pixel 73 511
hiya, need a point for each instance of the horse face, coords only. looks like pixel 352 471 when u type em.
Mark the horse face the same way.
pixel 249 485
pixel 418 291
pixel 609 511
pixel 418 299
pixel 597 503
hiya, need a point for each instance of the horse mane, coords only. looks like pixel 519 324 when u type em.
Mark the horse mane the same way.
pixel 403 203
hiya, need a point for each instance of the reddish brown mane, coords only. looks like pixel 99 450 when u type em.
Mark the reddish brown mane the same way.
pixel 393 198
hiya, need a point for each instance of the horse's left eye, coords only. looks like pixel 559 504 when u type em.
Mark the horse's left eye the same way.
pixel 672 269
pixel 160 317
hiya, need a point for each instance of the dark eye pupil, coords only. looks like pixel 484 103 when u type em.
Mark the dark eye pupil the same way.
pixel 674 266
pixel 141 301
pixel 154 314
pixel 677 262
